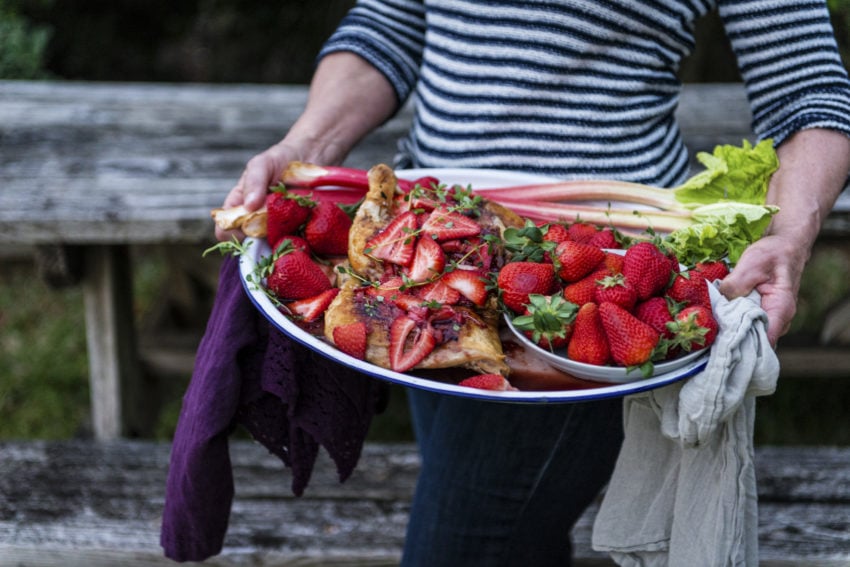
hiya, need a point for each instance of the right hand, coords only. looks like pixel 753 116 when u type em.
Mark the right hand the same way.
pixel 261 172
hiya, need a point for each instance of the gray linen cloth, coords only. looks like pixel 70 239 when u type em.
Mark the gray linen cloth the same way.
pixel 683 492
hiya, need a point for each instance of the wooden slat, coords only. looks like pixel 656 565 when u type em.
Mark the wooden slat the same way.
pixel 85 503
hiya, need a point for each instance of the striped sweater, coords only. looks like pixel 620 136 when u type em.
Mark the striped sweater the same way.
pixel 586 88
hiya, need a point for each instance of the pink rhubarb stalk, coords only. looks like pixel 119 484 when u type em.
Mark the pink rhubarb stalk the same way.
pixel 311 176
pixel 587 190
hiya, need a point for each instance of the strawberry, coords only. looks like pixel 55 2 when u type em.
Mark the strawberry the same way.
pixel 582 232
pixel 443 224
pixel 615 289
pixel 632 342
pixel 351 339
pixel 295 275
pixel 428 261
pixel 575 260
pixel 396 243
pixel 655 312
pixel 293 242
pixel 613 263
pixel 393 291
pixel 312 308
pixel 605 238
pixel 285 213
pixel 421 339
pixel 690 288
pixel 327 228
pixel 589 344
pixel 556 233
pixel 694 328
pixel 584 290
pixel 437 292
pixel 647 268
pixel 548 320
pixel 470 284
pixel 712 270
pixel 517 280
pixel 495 382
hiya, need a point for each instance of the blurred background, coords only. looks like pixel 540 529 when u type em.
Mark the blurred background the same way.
pixel 43 366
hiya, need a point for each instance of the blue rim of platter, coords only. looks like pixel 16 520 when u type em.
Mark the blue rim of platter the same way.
pixel 257 248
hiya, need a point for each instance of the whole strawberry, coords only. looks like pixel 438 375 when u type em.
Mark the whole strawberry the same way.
pixel 517 280
pixel 327 228
pixel 582 231
pixel 616 289
pixel 632 342
pixel 690 288
pixel 548 321
pixel 712 270
pixel 694 328
pixel 584 290
pixel 286 212
pixel 647 268
pixel 655 312
pixel 589 344
pixel 575 260
pixel 295 275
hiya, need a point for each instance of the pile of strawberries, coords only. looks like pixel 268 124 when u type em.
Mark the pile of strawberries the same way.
pixel 628 308
pixel 305 236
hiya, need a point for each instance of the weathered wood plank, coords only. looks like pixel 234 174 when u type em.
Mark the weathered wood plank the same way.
pixel 84 503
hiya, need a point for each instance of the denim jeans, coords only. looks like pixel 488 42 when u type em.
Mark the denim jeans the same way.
pixel 503 484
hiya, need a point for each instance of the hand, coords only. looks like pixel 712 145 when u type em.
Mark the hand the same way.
pixel 261 172
pixel 773 266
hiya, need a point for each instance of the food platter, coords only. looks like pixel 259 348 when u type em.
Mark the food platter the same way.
pixel 572 389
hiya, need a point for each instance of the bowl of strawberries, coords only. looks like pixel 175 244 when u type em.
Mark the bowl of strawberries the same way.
pixel 614 315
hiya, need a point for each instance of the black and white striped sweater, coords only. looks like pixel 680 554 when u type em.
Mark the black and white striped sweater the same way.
pixel 587 88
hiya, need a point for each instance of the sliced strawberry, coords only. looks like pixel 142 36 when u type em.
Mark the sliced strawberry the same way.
pixel 428 261
pixel 351 339
pixel 443 224
pixel 495 382
pixel 312 308
pixel 438 292
pixel 469 283
pixel 405 331
pixel 397 242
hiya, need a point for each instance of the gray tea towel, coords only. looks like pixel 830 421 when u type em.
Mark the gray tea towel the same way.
pixel 683 492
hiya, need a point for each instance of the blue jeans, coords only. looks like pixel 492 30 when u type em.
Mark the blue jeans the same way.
pixel 503 484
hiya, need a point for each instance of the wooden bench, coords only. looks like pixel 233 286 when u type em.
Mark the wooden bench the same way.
pixel 99 504
pixel 90 170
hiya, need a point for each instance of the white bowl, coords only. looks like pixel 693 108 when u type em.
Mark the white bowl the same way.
pixel 598 373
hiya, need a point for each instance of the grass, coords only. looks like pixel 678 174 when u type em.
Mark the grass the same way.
pixel 44 384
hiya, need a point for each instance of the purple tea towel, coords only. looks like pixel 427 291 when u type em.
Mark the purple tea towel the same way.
pixel 289 398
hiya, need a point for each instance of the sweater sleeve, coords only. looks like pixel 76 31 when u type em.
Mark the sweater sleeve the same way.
pixel 389 34
pixel 789 60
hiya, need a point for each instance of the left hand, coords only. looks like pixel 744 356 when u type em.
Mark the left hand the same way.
pixel 773 267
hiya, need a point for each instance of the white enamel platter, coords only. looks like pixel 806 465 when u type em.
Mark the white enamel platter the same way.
pixel 476 178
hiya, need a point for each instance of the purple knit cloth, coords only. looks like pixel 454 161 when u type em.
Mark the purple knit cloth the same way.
pixel 291 400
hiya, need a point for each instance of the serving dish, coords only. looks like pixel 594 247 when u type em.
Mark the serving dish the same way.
pixel 256 249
